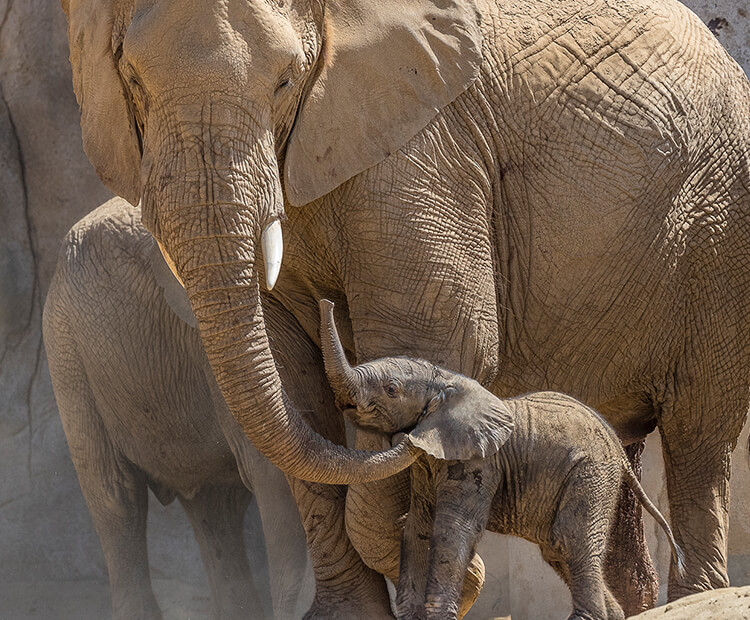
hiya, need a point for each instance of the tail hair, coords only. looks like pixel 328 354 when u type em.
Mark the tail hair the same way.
pixel 678 556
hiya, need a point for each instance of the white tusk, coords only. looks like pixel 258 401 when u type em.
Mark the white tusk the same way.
pixel 272 243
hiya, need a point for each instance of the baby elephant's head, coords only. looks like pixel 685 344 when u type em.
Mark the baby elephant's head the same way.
pixel 444 413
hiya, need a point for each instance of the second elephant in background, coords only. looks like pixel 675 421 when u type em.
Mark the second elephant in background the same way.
pixel 141 409
pixel 543 466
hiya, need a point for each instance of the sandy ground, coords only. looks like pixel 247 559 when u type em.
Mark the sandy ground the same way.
pixel 89 600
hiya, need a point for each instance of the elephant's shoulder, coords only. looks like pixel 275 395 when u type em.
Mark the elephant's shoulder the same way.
pixel 104 237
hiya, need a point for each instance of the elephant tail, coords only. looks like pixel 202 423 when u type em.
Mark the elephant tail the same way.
pixel 678 557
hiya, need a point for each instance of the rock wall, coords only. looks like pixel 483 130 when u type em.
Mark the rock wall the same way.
pixel 729 20
pixel 46 184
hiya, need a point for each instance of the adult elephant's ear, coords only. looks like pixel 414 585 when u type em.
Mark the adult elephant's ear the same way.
pixel 463 422
pixel 386 68
pixel 110 138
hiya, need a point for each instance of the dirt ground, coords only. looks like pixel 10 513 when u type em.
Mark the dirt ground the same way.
pixel 89 600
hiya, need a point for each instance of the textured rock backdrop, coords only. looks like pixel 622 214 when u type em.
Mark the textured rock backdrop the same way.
pixel 46 184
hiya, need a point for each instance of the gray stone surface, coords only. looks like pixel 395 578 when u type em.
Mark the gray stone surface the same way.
pixel 50 562
pixel 726 604
pixel 729 20
pixel 46 184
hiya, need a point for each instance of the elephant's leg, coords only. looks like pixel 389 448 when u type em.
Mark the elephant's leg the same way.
pixel 415 546
pixel 588 591
pixel 375 514
pixel 456 573
pixel 286 547
pixel 415 555
pixel 217 514
pixel 592 600
pixel 118 503
pixel 697 455
pixel 115 490
pixel 628 568
pixel 405 297
pixel 579 535
pixel 345 586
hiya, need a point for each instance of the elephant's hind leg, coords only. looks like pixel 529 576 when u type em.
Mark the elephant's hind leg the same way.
pixel 217 515
pixel 579 539
pixel 697 461
pixel 118 504
pixel 628 568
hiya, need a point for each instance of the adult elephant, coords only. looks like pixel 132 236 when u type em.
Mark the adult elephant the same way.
pixel 541 195
pixel 140 410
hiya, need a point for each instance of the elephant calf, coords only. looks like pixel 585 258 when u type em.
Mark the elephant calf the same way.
pixel 543 467
pixel 140 409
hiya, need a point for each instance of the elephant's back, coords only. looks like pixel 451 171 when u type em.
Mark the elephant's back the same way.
pixel 644 78
pixel 553 422
pixel 139 358
pixel 648 71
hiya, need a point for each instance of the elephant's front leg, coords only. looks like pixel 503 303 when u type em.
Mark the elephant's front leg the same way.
pixel 419 278
pixel 375 514
pixel 415 551
pixel 464 492
pixel 419 260
pixel 217 515
pixel 345 587
pixel 415 546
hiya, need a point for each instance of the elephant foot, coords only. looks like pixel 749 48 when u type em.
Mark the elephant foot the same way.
pixel 369 599
pixel 346 610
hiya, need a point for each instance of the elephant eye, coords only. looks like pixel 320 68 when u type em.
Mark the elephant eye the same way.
pixel 391 389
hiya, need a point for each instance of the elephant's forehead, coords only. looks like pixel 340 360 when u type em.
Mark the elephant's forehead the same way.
pixel 403 367
pixel 209 44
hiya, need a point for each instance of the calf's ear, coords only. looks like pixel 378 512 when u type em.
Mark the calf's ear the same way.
pixel 463 422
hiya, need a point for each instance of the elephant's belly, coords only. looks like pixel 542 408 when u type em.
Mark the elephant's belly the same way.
pixel 176 444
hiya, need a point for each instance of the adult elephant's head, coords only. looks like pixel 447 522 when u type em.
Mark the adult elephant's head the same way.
pixel 210 112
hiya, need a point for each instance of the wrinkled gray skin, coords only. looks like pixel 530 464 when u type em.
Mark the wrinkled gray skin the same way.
pixel 553 197
pixel 543 466
pixel 141 410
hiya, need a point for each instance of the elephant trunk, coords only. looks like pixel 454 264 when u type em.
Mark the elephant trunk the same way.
pixel 342 377
pixel 208 219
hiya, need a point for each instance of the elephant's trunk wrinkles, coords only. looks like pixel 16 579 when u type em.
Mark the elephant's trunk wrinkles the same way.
pixel 341 375
pixel 212 242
